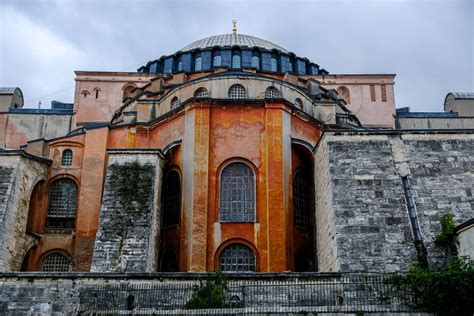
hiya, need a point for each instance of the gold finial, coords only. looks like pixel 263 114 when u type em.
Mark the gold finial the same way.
pixel 234 29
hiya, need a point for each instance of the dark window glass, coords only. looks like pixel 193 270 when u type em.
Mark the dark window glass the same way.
pixel 237 202
pixel 62 204
pixel 171 207
pixel 301 199
pixel 169 261
pixel 67 157
pixel 237 258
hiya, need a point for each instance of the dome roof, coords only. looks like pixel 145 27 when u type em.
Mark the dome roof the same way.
pixel 231 40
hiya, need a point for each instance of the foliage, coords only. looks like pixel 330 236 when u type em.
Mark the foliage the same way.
pixel 210 293
pixel 447 235
pixel 446 292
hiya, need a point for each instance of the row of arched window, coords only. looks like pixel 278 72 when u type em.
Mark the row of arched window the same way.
pixel 237 91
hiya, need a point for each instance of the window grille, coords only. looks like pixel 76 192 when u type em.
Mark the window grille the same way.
pixel 198 63
pixel 56 262
pixel 272 93
pixel 237 196
pixel 236 61
pixel 217 61
pixel 256 62
pixel 175 102
pixel 237 92
pixel 67 157
pixel 273 64
pixel 298 103
pixel 62 204
pixel 237 258
pixel 201 93
pixel 301 199
pixel 171 199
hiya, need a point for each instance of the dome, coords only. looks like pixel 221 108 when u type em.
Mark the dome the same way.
pixel 231 40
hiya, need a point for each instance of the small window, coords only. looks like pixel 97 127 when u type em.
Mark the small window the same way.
pixel 175 103
pixel 236 61
pixel 298 103
pixel 237 92
pixel 56 262
pixel 237 258
pixel 217 61
pixel 62 204
pixel 201 93
pixel 85 93
pixel 383 89
pixel 180 65
pixel 272 93
pixel 256 62
pixel 290 65
pixel 171 203
pixel 67 158
pixel 198 63
pixel 273 64
pixel 372 93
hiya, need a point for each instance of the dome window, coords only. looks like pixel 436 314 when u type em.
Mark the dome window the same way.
pixel 236 62
pixel 201 93
pixel 298 103
pixel 179 65
pixel 237 92
pixel 272 93
pixel 256 62
pixel 274 64
pixel 175 103
pixel 217 61
pixel 198 63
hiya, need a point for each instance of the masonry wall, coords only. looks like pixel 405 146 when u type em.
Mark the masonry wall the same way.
pixel 127 237
pixel 18 176
pixel 372 228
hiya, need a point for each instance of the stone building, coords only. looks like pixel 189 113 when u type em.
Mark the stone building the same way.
pixel 234 154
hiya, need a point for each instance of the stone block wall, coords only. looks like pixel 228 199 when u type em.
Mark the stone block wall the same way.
pixel 372 229
pixel 18 176
pixel 127 237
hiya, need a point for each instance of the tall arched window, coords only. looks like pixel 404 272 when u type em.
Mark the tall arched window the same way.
pixel 217 61
pixel 272 93
pixel 236 61
pixel 237 258
pixel 179 65
pixel 169 261
pixel 56 262
pixel 175 103
pixel 274 65
pixel 301 199
pixel 236 91
pixel 344 94
pixel 62 204
pixel 256 62
pixel 67 158
pixel 198 63
pixel 171 202
pixel 237 195
pixel 201 93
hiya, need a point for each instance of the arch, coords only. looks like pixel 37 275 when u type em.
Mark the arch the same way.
pixel 236 61
pixel 237 194
pixel 128 89
pixel 170 146
pixel 85 93
pixel 237 91
pixel 56 261
pixel 301 199
pixel 175 103
pixel 237 257
pixel 35 205
pixel 298 103
pixel 67 158
pixel 96 91
pixel 344 94
pixel 62 204
pixel 272 93
pixel 169 261
pixel 198 62
pixel 256 61
pixel 201 93
pixel 171 198
pixel 217 61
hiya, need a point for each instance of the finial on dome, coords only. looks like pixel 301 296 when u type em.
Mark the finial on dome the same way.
pixel 234 29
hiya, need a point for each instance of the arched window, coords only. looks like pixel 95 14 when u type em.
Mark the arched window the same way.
pixel 217 61
pixel 198 63
pixel 56 262
pixel 236 61
pixel 201 93
pixel 179 66
pixel 344 94
pixel 96 90
pixel 169 261
pixel 175 102
pixel 85 93
pixel 298 103
pixel 256 62
pixel 62 204
pixel 237 92
pixel 171 202
pixel 237 195
pixel 67 158
pixel 237 258
pixel 273 64
pixel 301 199
pixel 272 93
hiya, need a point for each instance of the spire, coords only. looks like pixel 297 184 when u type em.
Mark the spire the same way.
pixel 234 28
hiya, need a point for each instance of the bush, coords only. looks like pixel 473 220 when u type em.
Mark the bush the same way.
pixel 210 293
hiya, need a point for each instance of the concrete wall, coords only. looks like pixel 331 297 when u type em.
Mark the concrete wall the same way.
pixel 127 237
pixel 366 201
pixel 18 176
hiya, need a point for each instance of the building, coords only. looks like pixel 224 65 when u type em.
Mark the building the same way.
pixel 233 154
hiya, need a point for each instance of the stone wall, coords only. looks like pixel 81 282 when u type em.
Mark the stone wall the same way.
pixel 18 176
pixel 372 227
pixel 127 237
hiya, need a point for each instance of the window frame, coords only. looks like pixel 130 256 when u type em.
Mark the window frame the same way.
pixel 307 223
pixel 237 241
pixel 69 160
pixel 245 95
pixel 51 253
pixel 199 91
pixel 163 226
pixel 273 90
pixel 49 205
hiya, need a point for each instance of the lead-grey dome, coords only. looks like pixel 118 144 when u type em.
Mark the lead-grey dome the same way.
pixel 232 40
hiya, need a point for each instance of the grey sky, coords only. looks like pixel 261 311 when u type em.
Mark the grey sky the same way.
pixel 428 44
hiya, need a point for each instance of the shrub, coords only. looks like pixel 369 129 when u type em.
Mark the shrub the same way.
pixel 210 293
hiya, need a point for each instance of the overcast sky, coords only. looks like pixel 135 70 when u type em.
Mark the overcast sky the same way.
pixel 428 44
